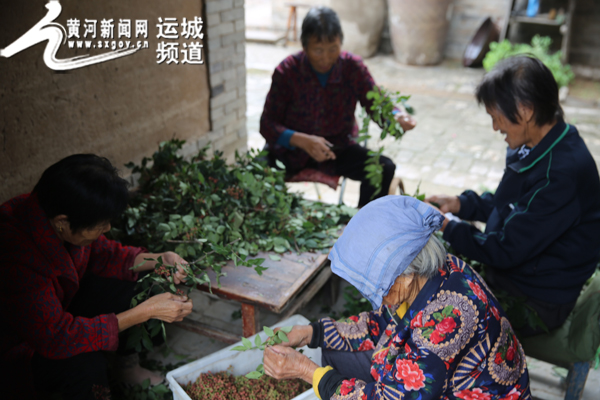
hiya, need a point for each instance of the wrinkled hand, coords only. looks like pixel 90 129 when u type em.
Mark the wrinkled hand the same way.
pixel 285 363
pixel 168 307
pixel 299 336
pixel 316 146
pixel 171 258
pixel 446 203
pixel 407 121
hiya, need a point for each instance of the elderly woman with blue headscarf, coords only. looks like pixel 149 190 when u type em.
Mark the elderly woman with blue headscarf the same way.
pixel 436 330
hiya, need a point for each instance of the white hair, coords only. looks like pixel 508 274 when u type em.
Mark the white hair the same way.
pixel 429 260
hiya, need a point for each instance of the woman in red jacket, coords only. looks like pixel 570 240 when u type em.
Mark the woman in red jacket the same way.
pixel 66 289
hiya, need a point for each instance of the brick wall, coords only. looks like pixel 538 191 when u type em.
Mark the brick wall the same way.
pixel 225 29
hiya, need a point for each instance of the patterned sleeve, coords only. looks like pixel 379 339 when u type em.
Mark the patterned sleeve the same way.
pixel 111 259
pixel 271 121
pixel 356 333
pixel 400 370
pixel 33 311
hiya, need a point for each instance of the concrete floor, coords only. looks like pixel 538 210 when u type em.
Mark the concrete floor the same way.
pixel 453 148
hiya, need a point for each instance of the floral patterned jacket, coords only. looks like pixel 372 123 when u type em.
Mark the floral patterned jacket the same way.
pixel 454 342
pixel 40 278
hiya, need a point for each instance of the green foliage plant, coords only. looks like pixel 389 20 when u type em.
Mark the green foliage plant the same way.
pixel 273 338
pixel 539 48
pixel 381 112
pixel 210 213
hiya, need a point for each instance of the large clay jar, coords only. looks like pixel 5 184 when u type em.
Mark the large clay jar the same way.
pixel 362 24
pixel 418 30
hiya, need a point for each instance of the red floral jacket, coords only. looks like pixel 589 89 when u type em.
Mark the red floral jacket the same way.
pixel 40 276
pixel 454 342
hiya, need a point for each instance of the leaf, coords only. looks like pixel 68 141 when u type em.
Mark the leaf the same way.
pixel 268 331
pixel 286 329
pixel 279 249
pixel 247 343
pixel 254 375
pixel 281 334
pixel 160 389
pixel 189 220
pixel 259 270
pixel 274 257
pixel 257 341
pixel 146 384
pixel 279 164
pixel 239 348
pixel 164 227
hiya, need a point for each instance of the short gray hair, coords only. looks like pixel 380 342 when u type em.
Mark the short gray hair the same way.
pixel 429 260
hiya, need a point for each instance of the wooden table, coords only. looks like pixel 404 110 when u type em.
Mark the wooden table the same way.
pixel 279 289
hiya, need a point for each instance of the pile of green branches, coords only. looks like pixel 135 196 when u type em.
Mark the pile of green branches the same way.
pixel 210 212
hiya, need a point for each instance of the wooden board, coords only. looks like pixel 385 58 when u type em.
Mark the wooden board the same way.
pixel 275 287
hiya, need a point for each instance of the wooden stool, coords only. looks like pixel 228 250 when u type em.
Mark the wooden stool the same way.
pixel 293 17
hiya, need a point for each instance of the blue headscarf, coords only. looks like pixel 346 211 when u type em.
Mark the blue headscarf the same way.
pixel 381 241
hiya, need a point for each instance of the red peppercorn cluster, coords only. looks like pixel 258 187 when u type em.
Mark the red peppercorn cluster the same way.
pixel 180 292
pixel 191 234
pixel 235 192
pixel 224 386
pixel 162 270
pixel 213 180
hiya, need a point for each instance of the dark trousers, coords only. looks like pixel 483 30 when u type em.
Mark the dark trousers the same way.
pixel 84 376
pixel 350 162
pixel 351 364
pixel 552 315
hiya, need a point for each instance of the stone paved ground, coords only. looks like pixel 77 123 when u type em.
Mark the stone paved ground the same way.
pixel 452 149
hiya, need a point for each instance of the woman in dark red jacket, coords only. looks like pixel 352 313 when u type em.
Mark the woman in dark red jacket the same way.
pixel 66 289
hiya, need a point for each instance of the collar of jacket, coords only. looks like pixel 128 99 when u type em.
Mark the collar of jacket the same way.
pixel 336 70
pixel 541 150
pixel 430 287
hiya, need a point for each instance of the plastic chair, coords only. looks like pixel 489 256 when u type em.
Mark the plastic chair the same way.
pixel 575 344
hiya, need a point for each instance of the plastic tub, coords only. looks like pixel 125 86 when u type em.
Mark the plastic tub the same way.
pixel 238 363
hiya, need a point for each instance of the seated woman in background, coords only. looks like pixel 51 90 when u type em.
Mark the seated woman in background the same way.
pixel 66 290
pixel 308 118
pixel 542 236
pixel 436 330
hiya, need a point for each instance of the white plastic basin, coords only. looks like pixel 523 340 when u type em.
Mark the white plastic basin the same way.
pixel 238 363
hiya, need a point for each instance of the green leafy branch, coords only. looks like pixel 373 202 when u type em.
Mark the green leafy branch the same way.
pixel 273 338
pixel 381 111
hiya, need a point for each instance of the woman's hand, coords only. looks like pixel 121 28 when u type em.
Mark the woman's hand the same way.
pixel 299 336
pixel 285 363
pixel 445 203
pixel 168 257
pixel 171 258
pixel 316 146
pixel 167 307
pixel 407 121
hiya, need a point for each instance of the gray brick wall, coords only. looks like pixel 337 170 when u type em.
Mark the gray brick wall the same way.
pixel 226 55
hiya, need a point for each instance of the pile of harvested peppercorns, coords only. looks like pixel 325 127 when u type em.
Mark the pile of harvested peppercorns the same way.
pixel 224 386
